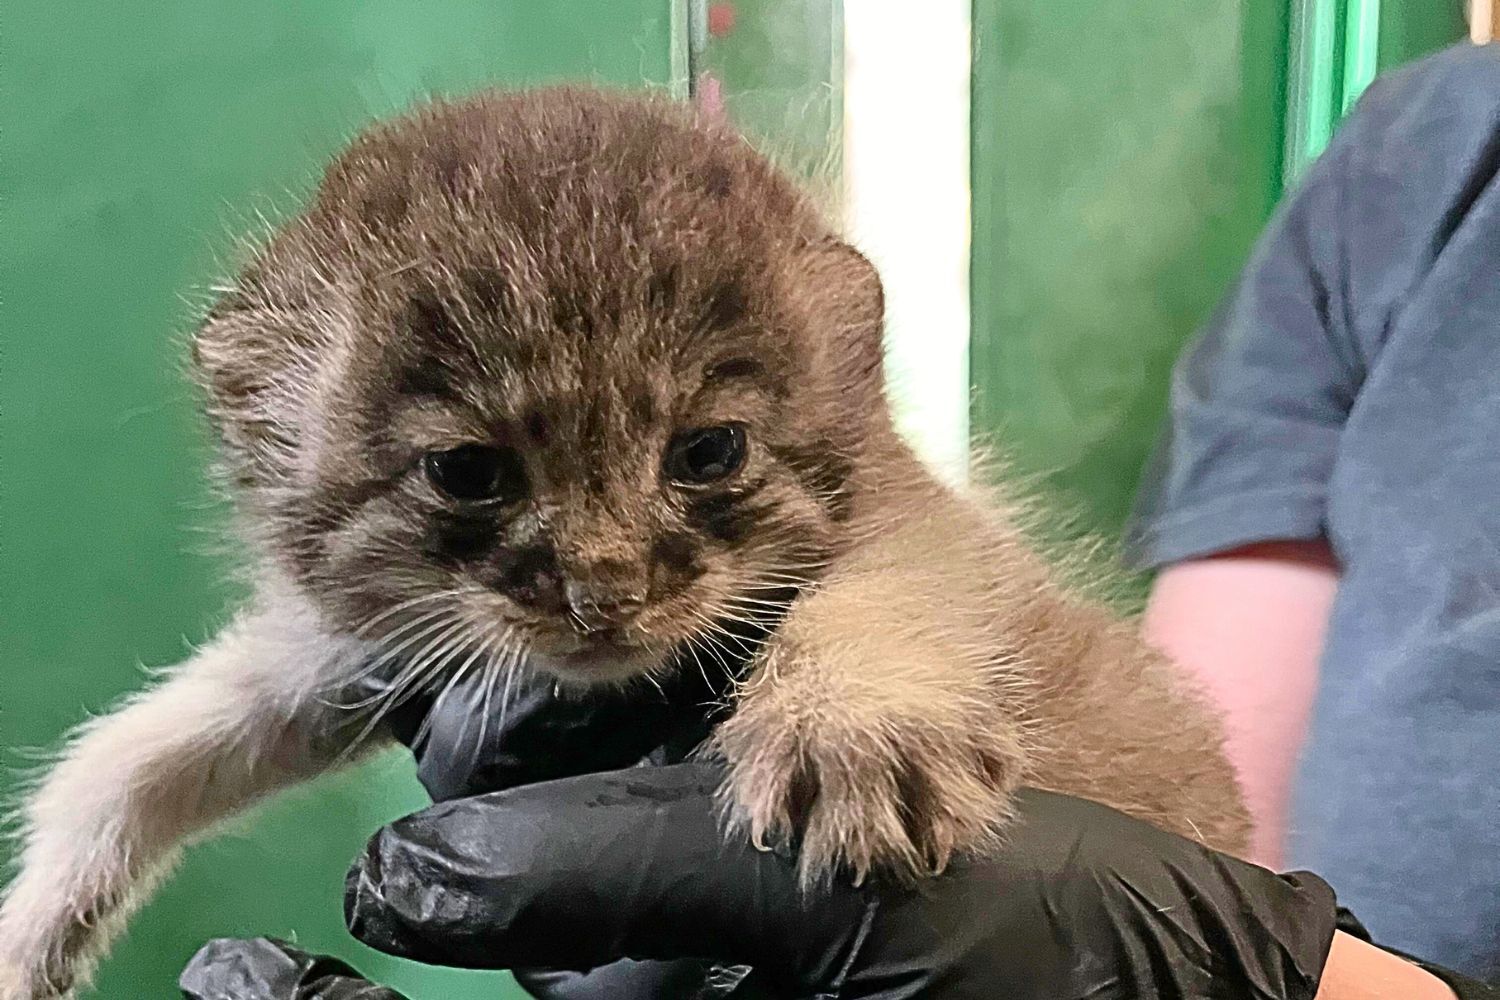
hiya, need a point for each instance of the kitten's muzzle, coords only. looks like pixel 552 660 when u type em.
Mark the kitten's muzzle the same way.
pixel 598 609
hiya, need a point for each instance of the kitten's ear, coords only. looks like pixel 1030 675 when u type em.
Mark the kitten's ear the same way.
pixel 254 363
pixel 845 303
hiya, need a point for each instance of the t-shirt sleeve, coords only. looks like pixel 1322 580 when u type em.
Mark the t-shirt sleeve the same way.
pixel 1259 400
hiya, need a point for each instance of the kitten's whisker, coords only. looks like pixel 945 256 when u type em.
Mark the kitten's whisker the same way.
pixel 502 660
pixel 727 607
pixel 395 695
pixel 433 614
pixel 714 623
pixel 439 621
pixel 439 643
pixel 762 601
pixel 514 664
pixel 737 617
pixel 650 677
pixel 781 580
pixel 384 644
pixel 433 657
pixel 457 676
pixel 494 668
pixel 364 627
pixel 491 673
pixel 431 660
pixel 747 603
pixel 692 645
pixel 712 646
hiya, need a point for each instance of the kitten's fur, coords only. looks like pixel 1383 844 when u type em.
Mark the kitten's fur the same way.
pixel 580 277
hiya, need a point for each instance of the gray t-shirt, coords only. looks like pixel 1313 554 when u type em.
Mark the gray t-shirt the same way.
pixel 1349 388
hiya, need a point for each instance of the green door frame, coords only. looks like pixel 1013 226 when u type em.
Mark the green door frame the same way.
pixel 1333 52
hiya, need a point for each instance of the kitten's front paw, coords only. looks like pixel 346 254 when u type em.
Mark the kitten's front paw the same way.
pixel 10 982
pixel 16 983
pixel 894 788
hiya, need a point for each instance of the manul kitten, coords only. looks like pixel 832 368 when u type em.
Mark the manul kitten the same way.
pixel 577 385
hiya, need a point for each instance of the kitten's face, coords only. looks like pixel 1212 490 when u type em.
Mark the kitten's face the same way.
pixel 554 374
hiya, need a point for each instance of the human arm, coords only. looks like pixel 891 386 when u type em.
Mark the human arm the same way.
pixel 1247 625
pixel 1233 507
pixel 1357 970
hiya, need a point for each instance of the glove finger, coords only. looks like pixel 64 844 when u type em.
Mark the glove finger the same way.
pixel 579 873
pixel 687 979
pixel 465 745
pixel 267 969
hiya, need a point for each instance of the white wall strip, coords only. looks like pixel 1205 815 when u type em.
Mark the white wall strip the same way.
pixel 906 174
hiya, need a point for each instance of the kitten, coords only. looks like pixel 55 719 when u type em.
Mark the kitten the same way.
pixel 578 384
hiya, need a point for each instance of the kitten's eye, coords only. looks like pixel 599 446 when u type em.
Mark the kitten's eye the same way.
pixel 706 454
pixel 476 472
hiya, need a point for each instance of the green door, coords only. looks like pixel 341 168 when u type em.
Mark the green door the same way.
pixel 137 136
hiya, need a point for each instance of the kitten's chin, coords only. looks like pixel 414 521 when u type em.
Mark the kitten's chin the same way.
pixel 604 664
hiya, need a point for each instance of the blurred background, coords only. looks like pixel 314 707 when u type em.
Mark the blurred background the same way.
pixel 1056 194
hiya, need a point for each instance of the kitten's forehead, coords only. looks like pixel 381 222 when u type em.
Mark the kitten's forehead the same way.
pixel 632 338
pixel 614 398
pixel 566 236
pixel 558 187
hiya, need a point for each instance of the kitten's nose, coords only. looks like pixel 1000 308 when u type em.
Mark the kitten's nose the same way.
pixel 596 609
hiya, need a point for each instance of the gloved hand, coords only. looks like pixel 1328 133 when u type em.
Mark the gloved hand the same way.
pixel 577 873
pixel 1083 902
pixel 540 734
pixel 544 734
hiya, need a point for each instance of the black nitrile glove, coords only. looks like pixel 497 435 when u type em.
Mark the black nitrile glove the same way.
pixel 1083 902
pixel 542 735
pixel 265 969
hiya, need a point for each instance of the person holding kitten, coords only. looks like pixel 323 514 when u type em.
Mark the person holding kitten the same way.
pixel 1323 503
pixel 1329 468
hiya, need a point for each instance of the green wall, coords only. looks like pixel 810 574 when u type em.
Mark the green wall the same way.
pixel 136 135
pixel 1126 153
pixel 1412 28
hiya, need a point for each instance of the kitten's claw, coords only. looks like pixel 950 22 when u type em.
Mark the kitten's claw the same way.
pixel 17 984
pixel 897 794
pixel 35 962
